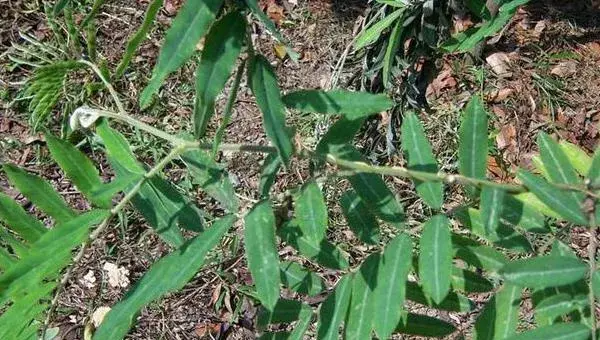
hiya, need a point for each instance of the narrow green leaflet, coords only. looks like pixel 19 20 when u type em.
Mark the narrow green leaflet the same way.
pixel 300 280
pixel 362 310
pixel 16 319
pixel 473 141
pixel 593 173
pixel 549 309
pixel 420 158
pixel 311 212
pixel 333 310
pixel 544 271
pixel 373 33
pixel 322 251
pixel 40 192
pixel 524 215
pixel 304 322
pixel 212 178
pixel 263 83
pixel 423 325
pixel 500 316
pixel 361 221
pixel 452 303
pixel 285 311
pixel 221 49
pixel 491 208
pixel 435 258
pixel 340 133
pixel 596 283
pixel 389 294
pixel 391 51
pixel 261 252
pixel 179 267
pixel 578 158
pixel 352 105
pixel 78 167
pixel 530 199
pixel 554 198
pixel 139 36
pixel 19 221
pixel 191 23
pixel 470 282
pixel 559 331
pixel 269 170
pixel 19 248
pixel 478 255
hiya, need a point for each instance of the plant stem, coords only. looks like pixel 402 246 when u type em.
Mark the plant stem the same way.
pixel 592 250
pixel 175 152
pixel 108 85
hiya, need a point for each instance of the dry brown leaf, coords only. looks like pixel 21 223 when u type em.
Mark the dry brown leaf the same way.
pixel 565 69
pixel 500 64
pixel 275 12
pixel 442 82
pixel 207 330
pixel 498 96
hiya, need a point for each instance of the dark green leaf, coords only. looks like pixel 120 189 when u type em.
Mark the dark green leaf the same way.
pixel 352 105
pixel 389 293
pixel 268 173
pixel 263 83
pixel 19 221
pixel 559 331
pixel 221 49
pixel 420 158
pixel 361 221
pixel 423 325
pixel 77 167
pixel 212 178
pixel 311 212
pixel 261 252
pixel 179 267
pixel 596 283
pixel 491 208
pixel 304 322
pixel 333 309
pixel 478 255
pixel 470 282
pixel 285 311
pixel 554 198
pixel 391 51
pixel 522 214
pixel 40 192
pixel 473 141
pixel 544 271
pixel 191 23
pixel 453 301
pixel 435 258
pixel 340 133
pixel 500 316
pixel 300 280
pixel 362 310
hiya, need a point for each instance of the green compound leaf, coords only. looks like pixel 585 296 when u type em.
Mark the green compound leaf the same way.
pixel 168 274
pixel 389 294
pixel 221 49
pixel 420 158
pixel 352 105
pixel 334 309
pixel 19 221
pixel 544 271
pixel 435 258
pixel 311 212
pixel 191 23
pixel 263 83
pixel 473 142
pixel 261 252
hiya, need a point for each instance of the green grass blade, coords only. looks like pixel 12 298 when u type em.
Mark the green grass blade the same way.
pixel 138 37
pixel 168 274
pixel 361 221
pixel 261 252
pixel 492 200
pixel 473 142
pixel 500 316
pixel 351 105
pixel 311 212
pixel 544 271
pixel 559 331
pixel 390 291
pixel 391 51
pixel 420 158
pixel 362 310
pixel 435 258
pixel 19 221
pixel 221 49
pixel 191 23
pixel 40 192
pixel 373 33
pixel 333 310
pixel 78 167
pixel 300 280
pixel 263 83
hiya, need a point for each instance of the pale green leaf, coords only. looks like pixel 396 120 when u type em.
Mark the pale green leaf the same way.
pixel 536 204
pixel 311 212
pixel 523 214
pixel 19 221
pixel 359 322
pixel 191 23
pixel 596 283
pixel 578 158
pixel 221 49
pixel 168 274
pixel 333 310
pixel 40 192
pixel 544 271
pixel 559 331
pixel 593 173
pixel 389 294
pixel 469 282
pixel 473 141
pixel 492 200
pixel 500 316
pixel 361 221
pixel 263 83
pixel 420 158
pixel 352 105
pixel 261 252
pixel 435 258
pixel 300 280
pixel 549 309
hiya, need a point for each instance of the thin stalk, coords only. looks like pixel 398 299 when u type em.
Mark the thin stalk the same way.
pixel 175 152
pixel 592 250
pixel 108 85
pixel 229 107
